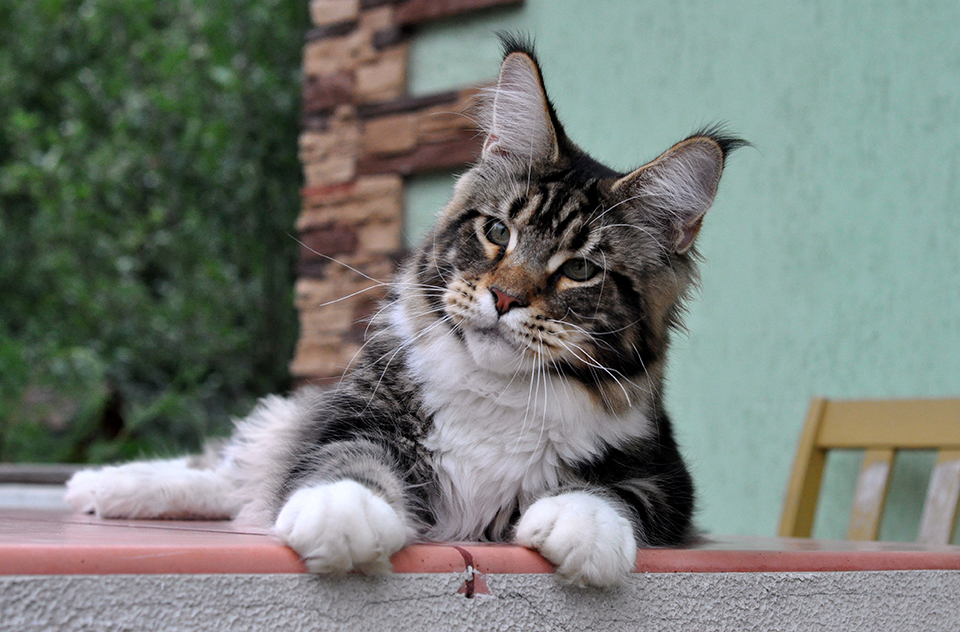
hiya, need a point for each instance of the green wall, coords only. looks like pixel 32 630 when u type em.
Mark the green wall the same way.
pixel 833 250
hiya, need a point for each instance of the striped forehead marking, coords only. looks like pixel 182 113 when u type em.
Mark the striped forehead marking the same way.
pixel 560 213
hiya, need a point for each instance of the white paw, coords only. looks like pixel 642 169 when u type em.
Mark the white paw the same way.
pixel 81 490
pixel 583 535
pixel 110 492
pixel 152 489
pixel 338 527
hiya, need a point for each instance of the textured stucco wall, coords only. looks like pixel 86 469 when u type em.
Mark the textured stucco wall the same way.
pixel 906 600
pixel 832 257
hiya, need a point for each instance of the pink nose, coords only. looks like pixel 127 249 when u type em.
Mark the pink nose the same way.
pixel 505 302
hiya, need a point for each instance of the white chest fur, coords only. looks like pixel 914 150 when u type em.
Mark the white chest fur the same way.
pixel 501 441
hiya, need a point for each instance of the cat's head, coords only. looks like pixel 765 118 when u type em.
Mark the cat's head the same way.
pixel 545 259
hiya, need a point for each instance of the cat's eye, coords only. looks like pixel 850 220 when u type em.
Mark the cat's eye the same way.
pixel 579 269
pixel 498 233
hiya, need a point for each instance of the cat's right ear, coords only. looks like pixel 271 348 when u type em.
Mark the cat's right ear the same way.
pixel 520 125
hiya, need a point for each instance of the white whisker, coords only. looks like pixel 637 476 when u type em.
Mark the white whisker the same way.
pixel 337 261
pixel 589 361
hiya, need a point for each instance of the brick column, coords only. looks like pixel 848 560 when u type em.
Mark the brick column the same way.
pixel 361 135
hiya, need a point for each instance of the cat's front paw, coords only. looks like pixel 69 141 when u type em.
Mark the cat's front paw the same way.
pixel 166 488
pixel 113 492
pixel 110 492
pixel 81 490
pixel 338 527
pixel 583 535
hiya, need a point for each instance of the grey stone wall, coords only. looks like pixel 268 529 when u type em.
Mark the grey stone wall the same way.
pixel 902 600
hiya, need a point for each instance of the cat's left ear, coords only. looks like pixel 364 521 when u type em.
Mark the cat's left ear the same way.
pixel 520 126
pixel 678 188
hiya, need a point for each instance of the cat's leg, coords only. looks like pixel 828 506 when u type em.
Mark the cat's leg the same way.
pixel 349 513
pixel 639 496
pixel 585 535
pixel 168 488
pixel 215 485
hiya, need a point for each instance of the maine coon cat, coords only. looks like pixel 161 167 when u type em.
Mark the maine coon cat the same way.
pixel 511 386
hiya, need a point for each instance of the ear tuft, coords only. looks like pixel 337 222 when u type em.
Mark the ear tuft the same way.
pixel 519 122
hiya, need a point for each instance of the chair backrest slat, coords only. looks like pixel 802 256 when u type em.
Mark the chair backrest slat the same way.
pixel 870 494
pixel 940 509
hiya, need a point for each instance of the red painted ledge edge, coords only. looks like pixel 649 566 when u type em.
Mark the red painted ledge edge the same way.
pixel 36 542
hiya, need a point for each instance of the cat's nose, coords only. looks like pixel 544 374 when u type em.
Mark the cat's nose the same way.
pixel 504 302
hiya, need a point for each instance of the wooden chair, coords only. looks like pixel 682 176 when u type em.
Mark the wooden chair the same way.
pixel 880 428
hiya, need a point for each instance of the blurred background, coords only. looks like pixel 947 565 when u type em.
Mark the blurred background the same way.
pixel 149 186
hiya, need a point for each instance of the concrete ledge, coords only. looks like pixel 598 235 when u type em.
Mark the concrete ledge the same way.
pixel 63 571
pixel 899 600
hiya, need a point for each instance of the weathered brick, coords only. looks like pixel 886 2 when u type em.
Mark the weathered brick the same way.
pixel 376 18
pixel 314 146
pixel 389 135
pixel 339 140
pixel 324 92
pixel 380 237
pixel 326 358
pixel 417 11
pixel 331 319
pixel 328 241
pixel 447 122
pixel 383 79
pixel 326 57
pixel 323 12
pixel 360 189
pixel 426 157
pixel 370 199
pixel 378 211
pixel 336 54
pixel 332 170
pixel 372 21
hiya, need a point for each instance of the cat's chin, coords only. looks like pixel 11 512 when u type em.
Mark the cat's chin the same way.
pixel 491 351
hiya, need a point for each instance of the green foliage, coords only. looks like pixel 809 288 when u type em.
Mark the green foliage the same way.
pixel 148 187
